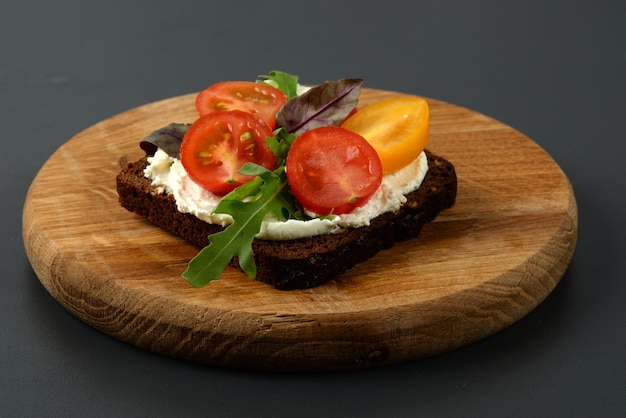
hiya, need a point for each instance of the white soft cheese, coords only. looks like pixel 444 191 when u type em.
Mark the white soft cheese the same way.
pixel 168 173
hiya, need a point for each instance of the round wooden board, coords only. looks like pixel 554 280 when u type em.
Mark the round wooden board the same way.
pixel 481 266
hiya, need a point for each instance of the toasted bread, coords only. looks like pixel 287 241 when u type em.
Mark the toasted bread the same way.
pixel 305 262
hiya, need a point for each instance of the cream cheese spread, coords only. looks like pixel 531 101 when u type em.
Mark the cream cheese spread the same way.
pixel 169 174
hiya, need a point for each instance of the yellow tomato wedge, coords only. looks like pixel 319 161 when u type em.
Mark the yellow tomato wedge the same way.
pixel 397 128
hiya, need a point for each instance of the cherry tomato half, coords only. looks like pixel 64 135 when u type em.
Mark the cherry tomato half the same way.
pixel 331 169
pixel 397 128
pixel 259 99
pixel 218 144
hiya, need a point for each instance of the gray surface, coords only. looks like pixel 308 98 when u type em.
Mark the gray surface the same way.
pixel 553 70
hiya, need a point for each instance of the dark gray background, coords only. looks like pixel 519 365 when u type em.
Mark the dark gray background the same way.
pixel 555 70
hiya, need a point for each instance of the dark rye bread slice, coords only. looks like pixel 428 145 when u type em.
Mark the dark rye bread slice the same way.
pixel 307 262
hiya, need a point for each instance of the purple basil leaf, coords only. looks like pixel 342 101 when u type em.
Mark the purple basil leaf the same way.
pixel 167 138
pixel 325 105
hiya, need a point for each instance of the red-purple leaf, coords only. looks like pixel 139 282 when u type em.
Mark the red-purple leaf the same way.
pixel 168 138
pixel 325 105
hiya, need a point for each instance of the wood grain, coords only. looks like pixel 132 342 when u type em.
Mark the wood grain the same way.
pixel 481 266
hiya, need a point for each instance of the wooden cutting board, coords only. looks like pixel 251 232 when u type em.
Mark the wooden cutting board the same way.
pixel 481 266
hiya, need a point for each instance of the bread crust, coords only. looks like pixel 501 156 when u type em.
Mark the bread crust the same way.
pixel 305 262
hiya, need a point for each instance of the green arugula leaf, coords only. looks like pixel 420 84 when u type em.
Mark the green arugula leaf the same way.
pixel 236 239
pixel 252 169
pixel 280 143
pixel 287 83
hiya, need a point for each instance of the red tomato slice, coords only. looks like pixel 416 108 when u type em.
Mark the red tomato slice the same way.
pixel 331 169
pixel 218 144
pixel 259 99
